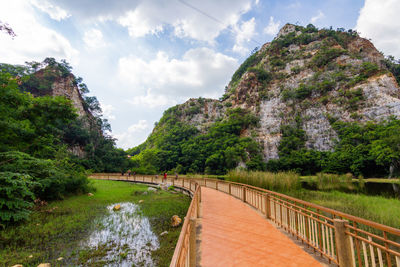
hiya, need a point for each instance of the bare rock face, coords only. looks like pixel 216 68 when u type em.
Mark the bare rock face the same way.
pixel 66 87
pixel 307 76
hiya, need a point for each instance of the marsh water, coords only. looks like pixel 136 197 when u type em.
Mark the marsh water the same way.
pixel 124 236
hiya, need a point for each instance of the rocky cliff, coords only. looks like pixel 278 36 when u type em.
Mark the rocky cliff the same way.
pixel 309 74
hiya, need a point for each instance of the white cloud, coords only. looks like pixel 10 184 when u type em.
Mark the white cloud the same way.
pixel 317 17
pixel 139 25
pixel 138 127
pixel 55 12
pixel 201 20
pixel 379 21
pixel 33 41
pixel 130 137
pixel 93 38
pixel 107 111
pixel 151 100
pixel 272 27
pixel 201 71
pixel 244 34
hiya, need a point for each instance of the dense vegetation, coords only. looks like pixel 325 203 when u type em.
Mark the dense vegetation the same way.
pixel 37 135
pixel 178 147
pixel 370 150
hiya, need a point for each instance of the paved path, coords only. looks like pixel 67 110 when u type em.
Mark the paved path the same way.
pixel 233 234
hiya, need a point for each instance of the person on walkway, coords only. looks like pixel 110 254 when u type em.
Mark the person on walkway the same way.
pixel 129 172
pixel 176 176
pixel 165 177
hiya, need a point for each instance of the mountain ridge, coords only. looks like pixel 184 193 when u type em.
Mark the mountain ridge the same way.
pixel 305 79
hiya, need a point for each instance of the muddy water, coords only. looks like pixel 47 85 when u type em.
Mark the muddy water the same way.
pixel 126 235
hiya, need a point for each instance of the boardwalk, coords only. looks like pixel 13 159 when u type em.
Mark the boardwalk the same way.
pixel 233 234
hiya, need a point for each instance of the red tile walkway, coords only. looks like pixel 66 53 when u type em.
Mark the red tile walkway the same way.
pixel 233 234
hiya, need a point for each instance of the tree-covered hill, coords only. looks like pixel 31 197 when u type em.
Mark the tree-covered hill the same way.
pixel 46 143
pixel 311 100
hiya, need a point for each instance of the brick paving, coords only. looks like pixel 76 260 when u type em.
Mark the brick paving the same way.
pixel 234 234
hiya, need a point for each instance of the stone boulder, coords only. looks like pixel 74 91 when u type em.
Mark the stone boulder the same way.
pixel 175 221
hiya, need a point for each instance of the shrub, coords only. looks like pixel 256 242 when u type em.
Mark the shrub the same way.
pixel 303 91
pixel 54 180
pixel 262 75
pixel 250 61
pixel 324 55
pixel 15 197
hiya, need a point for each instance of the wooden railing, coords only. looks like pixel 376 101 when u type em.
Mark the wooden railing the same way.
pixel 341 238
pixel 185 249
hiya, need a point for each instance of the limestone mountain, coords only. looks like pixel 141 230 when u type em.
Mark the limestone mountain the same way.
pixel 298 86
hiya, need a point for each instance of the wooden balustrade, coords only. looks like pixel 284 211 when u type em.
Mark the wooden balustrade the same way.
pixel 341 238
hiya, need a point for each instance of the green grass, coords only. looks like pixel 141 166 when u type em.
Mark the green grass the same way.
pixel 375 208
pixel 55 230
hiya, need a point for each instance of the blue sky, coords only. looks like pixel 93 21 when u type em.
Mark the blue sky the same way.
pixel 140 57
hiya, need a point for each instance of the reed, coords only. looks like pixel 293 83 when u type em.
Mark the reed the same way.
pixel 329 181
pixel 280 181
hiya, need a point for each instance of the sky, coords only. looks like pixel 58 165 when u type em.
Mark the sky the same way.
pixel 140 57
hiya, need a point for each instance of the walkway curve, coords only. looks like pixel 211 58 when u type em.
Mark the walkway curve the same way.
pixel 234 234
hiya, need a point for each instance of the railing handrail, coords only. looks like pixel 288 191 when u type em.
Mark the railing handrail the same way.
pixel 295 208
pixel 179 245
pixel 379 226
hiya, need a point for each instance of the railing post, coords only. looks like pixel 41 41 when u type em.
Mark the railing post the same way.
pixel 198 204
pixel 216 185
pixel 244 194
pixel 192 243
pixel 267 207
pixel 229 188
pixel 343 246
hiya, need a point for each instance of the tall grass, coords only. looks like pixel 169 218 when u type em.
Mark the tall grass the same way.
pixel 329 181
pixel 280 182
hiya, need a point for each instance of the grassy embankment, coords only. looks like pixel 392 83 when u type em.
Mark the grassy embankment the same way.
pixel 328 194
pixel 55 230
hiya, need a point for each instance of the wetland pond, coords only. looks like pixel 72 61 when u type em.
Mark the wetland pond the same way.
pixel 124 236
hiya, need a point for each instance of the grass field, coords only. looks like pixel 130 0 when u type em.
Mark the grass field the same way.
pixel 55 230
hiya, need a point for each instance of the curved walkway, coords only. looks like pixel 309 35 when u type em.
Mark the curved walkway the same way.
pixel 234 234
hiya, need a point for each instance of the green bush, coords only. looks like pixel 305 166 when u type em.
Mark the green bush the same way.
pixel 262 75
pixel 54 180
pixel 325 55
pixel 249 62
pixel 15 197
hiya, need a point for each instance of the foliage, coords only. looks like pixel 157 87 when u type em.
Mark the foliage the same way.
pixel 360 150
pixel 54 179
pixel 262 75
pixel 37 134
pixel 15 197
pixel 325 55
pixel 174 145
